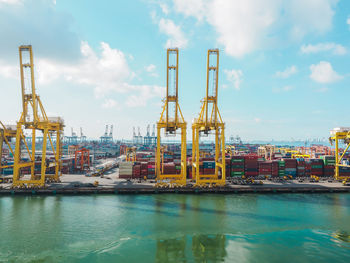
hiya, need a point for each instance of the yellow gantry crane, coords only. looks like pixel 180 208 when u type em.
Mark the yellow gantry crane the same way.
pixel 267 151
pixel 34 119
pixel 300 155
pixel 130 153
pixel 340 135
pixel 230 150
pixel 171 120
pixel 7 132
pixel 209 120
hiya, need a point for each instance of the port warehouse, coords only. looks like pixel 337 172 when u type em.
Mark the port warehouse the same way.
pixel 147 158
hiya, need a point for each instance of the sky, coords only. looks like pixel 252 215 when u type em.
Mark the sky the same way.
pixel 284 65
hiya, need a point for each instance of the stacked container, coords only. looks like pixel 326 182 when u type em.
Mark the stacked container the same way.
pixel 151 167
pixel 344 171
pixel 208 167
pixel 177 163
pixel 281 168
pixel 329 165
pixel 227 167
pixel 290 167
pixel 144 169
pixel 136 171
pixel 265 168
pixel 301 167
pixel 125 170
pixel 251 166
pixel 316 167
pixel 307 168
pixel 169 168
pixel 237 166
pixel 274 168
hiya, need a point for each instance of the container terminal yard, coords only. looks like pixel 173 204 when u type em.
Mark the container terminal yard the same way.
pixel 36 158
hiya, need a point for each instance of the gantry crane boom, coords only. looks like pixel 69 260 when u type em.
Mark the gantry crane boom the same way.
pixel 171 120
pixel 209 120
pixel 34 118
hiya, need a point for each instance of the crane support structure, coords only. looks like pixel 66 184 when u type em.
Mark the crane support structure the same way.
pixel 340 135
pixel 171 120
pixel 210 121
pixel 34 119
pixel 7 132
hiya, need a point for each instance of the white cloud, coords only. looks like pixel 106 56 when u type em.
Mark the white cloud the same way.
pixel 348 21
pixel 324 73
pixel 244 26
pixel 176 37
pixel 8 71
pixel 240 24
pixel 196 8
pixel 145 93
pixel 235 77
pixel 287 72
pixel 164 7
pixel 109 103
pixel 322 47
pixel 311 16
pixel 105 73
pixel 151 69
pixel 11 2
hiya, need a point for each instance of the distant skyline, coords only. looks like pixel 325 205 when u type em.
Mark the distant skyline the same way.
pixel 284 65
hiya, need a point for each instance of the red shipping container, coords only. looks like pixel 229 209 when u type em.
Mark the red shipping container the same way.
pixel 208 171
pixel 251 173
pixel 251 157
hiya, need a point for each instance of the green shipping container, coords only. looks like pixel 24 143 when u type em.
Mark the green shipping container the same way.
pixel 237 174
pixel 237 166
pixel 237 160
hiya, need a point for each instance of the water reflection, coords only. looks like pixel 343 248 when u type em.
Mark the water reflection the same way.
pixel 342 236
pixel 171 250
pixel 203 248
pixel 197 216
pixel 209 248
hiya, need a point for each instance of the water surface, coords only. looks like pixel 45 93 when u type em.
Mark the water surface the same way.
pixel 176 228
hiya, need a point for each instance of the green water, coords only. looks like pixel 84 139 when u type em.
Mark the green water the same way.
pixel 176 228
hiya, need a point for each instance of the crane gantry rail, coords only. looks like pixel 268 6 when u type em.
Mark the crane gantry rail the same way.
pixel 209 120
pixel 171 120
pixel 34 119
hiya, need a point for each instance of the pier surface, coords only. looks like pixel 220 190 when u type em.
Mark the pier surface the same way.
pixel 110 184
